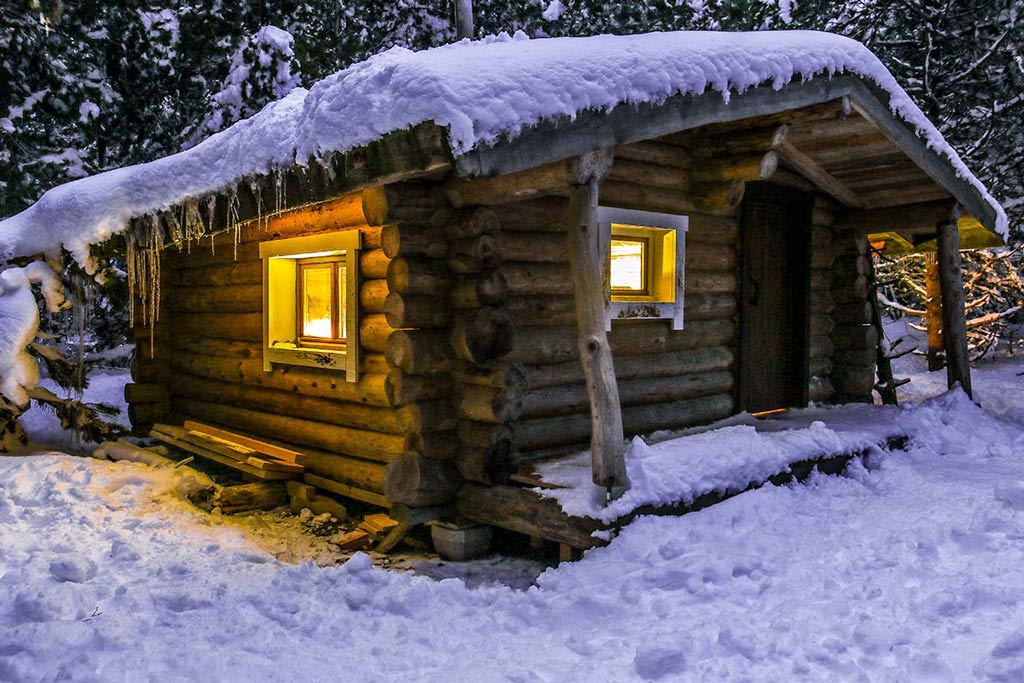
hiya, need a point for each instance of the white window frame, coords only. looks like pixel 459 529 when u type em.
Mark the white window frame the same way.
pixel 665 307
pixel 280 308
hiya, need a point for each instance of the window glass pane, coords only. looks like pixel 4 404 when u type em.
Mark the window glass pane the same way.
pixel 342 307
pixel 316 301
pixel 628 267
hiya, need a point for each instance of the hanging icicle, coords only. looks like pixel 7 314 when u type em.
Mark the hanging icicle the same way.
pixel 192 223
pixel 257 191
pixel 144 242
pixel 280 194
pixel 211 211
pixel 233 223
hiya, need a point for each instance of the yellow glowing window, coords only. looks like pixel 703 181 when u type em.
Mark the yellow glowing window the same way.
pixel 629 265
pixel 321 301
pixel 310 288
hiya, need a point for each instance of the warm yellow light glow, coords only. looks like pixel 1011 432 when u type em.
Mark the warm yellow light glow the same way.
pixel 316 303
pixel 628 265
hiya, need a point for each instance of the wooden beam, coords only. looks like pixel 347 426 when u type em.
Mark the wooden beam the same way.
pixel 933 310
pixel 910 218
pixel 954 317
pixel 586 260
pixel 811 170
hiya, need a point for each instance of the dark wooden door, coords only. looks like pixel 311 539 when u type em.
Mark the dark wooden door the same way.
pixel 774 298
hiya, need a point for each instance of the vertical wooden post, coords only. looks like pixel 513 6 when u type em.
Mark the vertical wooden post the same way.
pixel 954 318
pixel 464 19
pixel 933 310
pixel 606 442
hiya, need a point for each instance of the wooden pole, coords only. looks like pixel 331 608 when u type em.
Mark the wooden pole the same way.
pixel 954 318
pixel 606 441
pixel 933 309
pixel 464 19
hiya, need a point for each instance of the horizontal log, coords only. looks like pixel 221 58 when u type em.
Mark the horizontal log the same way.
pixel 362 474
pixel 145 393
pixel 264 495
pixel 671 178
pixel 405 240
pixel 420 352
pixel 557 310
pixel 466 223
pixel 247 273
pixel 402 389
pixel 144 415
pixel 208 253
pixel 820 366
pixel 482 434
pixel 482 336
pixel 712 282
pixel 493 465
pixel 510 187
pixel 654 152
pixel 438 444
pixel 237 326
pixel 401 420
pixel 690 361
pixel 416 310
pixel 547 432
pixel 546 214
pixel 502 376
pixel 524 511
pixel 373 263
pixel 711 306
pixel 474 255
pixel 858 313
pixel 820 390
pixel 821 323
pixel 418 276
pixel 416 481
pixel 374 331
pixel 821 346
pixel 370 389
pixel 547 345
pixel 745 166
pixel 533 247
pixel 573 399
pixel 527 279
pixel 372 295
pixel 487 288
pixel 321 435
pixel 710 257
pixel 489 404
pixel 710 229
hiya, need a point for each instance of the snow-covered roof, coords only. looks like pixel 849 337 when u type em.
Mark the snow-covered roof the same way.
pixel 483 93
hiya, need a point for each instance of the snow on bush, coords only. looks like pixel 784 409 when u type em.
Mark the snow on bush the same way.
pixel 19 322
pixel 480 91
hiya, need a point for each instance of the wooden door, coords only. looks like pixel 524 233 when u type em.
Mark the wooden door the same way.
pixel 774 298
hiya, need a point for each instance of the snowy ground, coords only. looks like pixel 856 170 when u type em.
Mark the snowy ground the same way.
pixel 910 570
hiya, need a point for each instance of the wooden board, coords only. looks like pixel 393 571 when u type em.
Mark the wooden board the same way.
pixel 346 490
pixel 174 436
pixel 257 445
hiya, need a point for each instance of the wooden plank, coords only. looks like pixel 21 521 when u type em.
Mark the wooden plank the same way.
pixel 346 490
pixel 811 170
pixel 173 436
pixel 257 445
pixel 271 465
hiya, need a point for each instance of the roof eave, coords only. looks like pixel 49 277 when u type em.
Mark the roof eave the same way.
pixel 562 138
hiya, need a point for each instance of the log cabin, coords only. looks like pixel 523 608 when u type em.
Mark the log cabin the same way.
pixel 419 317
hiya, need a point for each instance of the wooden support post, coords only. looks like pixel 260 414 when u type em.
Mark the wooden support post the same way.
pixel 954 318
pixel 933 309
pixel 606 442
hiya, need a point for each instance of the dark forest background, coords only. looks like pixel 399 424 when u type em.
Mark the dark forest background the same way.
pixel 89 85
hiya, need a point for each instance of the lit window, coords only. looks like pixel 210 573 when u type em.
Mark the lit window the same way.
pixel 644 252
pixel 310 302
pixel 321 301
pixel 629 265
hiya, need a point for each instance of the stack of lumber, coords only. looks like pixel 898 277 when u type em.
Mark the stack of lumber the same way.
pixel 253 457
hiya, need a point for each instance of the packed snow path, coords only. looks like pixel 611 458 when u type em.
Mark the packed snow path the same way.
pixel 908 570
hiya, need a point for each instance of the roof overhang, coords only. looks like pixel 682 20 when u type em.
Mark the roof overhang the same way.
pixel 563 138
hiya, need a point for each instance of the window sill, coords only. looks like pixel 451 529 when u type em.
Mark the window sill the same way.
pixel 329 359
pixel 643 310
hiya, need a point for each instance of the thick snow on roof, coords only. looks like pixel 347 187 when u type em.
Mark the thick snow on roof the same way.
pixel 479 91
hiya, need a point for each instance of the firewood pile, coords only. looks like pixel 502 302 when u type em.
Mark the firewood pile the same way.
pixel 993 295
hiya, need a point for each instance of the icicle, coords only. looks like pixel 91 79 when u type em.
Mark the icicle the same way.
pixel 257 192
pixel 329 172
pixel 233 223
pixel 280 195
pixel 145 240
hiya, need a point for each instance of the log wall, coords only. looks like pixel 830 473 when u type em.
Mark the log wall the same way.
pixel 207 353
pixel 854 338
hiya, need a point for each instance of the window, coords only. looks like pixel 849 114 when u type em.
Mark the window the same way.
pixel 310 296
pixel 645 255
